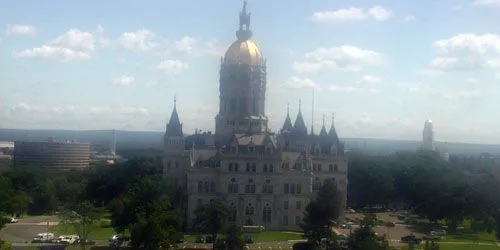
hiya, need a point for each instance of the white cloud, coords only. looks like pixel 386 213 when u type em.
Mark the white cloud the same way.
pixel 456 63
pixel 172 66
pixel 124 80
pixel 422 88
pixel 461 94
pixel 467 52
pixel 185 44
pixel 487 2
pixel 139 41
pixel 78 39
pixel 472 80
pixel 20 30
pixel 300 83
pixel 409 18
pixel 428 72
pixel 370 79
pixel 469 44
pixel 345 57
pixel 49 52
pixel 416 87
pixel 352 14
pixel 193 47
pixel 379 13
pixel 350 89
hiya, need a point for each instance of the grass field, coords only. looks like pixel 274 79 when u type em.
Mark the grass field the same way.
pixel 268 236
pixel 99 231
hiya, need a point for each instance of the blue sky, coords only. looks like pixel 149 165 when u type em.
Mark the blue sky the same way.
pixel 382 66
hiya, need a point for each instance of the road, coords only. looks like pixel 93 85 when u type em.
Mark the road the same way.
pixel 27 228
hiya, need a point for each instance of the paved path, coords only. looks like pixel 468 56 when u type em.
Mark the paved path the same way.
pixel 27 228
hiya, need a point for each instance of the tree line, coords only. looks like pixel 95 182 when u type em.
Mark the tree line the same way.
pixel 139 202
pixel 449 191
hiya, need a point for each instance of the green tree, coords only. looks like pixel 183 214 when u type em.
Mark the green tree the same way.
pixel 234 238
pixel 365 238
pixel 82 218
pixel 158 226
pixel 211 218
pixel 322 213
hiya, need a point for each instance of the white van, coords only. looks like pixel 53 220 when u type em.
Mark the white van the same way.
pixel 68 239
pixel 43 238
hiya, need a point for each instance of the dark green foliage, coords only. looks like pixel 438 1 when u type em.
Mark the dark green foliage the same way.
pixel 234 238
pixel 157 226
pixel 364 238
pixel 211 218
pixel 82 216
pixel 322 213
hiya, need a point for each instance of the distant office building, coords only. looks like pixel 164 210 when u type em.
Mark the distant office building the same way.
pixel 428 141
pixel 428 136
pixel 52 154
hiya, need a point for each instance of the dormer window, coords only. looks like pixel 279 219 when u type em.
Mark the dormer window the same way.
pixel 251 149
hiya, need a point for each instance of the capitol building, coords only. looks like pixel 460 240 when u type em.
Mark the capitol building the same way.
pixel 266 178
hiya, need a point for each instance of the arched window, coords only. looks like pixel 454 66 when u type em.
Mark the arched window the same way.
pixel 249 210
pixel 330 168
pixel 266 213
pixel 335 168
pixel 200 186
pixel 233 213
pixel 206 187
pixel 265 168
pixel 268 188
pixel 250 187
pixel 232 187
pixel 271 168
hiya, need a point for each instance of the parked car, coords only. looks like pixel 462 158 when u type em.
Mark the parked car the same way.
pixel 411 238
pixel 14 220
pixel 86 242
pixel 438 232
pixel 43 238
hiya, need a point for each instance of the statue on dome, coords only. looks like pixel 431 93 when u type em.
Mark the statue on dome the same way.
pixel 244 17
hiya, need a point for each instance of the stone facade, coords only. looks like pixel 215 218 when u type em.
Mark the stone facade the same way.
pixel 266 178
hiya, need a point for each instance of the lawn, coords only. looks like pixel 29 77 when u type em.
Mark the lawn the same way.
pixel 445 246
pixel 268 236
pixel 99 231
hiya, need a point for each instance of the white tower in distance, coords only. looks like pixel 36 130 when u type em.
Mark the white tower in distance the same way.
pixel 113 143
pixel 428 136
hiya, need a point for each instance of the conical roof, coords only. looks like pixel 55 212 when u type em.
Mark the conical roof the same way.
pixel 333 133
pixel 174 126
pixel 299 127
pixel 287 126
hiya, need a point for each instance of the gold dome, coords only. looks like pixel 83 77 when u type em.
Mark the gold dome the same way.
pixel 244 52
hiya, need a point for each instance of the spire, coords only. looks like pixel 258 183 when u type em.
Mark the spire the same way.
pixel 333 133
pixel 244 33
pixel 299 127
pixel 323 129
pixel 174 126
pixel 287 126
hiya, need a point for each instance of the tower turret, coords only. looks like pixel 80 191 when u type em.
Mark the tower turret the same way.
pixel 174 138
pixel 333 133
pixel 299 127
pixel 242 86
pixel 323 129
pixel 287 126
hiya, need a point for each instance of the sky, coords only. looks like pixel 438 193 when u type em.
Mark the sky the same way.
pixel 381 67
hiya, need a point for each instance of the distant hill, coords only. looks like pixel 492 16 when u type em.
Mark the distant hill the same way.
pixel 153 140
